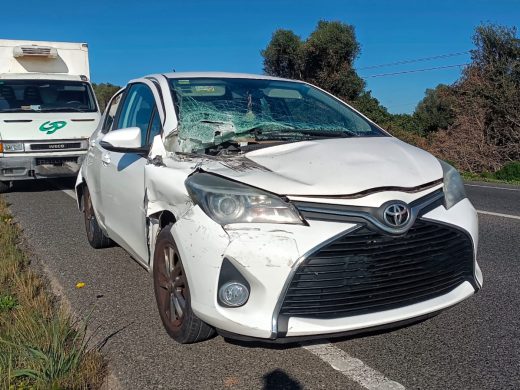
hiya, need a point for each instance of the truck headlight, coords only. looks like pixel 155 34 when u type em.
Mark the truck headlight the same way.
pixel 453 186
pixel 226 202
pixel 12 147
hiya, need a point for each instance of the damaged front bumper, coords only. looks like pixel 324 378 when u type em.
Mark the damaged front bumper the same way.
pixel 270 257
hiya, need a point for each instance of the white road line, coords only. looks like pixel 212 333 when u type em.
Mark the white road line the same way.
pixel 351 367
pixel 70 193
pixel 498 214
pixel 493 187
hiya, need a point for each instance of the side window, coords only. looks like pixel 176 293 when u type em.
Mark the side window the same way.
pixel 111 113
pixel 137 110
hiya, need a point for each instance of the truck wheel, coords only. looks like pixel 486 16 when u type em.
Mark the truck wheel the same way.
pixel 96 238
pixel 172 293
pixel 4 186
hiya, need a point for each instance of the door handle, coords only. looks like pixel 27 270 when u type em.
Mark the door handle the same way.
pixel 105 159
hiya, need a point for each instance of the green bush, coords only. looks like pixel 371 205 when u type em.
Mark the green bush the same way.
pixel 7 302
pixel 509 172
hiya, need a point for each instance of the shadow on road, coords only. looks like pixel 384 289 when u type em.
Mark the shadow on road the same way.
pixel 278 379
pixel 42 185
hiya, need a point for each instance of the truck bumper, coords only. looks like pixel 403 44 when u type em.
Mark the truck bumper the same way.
pixel 25 167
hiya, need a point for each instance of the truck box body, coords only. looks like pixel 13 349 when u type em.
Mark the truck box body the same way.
pixel 47 109
pixel 44 57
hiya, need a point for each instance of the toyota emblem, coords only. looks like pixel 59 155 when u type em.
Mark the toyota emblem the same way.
pixel 397 215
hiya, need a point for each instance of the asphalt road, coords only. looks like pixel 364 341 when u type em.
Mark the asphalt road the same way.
pixel 475 345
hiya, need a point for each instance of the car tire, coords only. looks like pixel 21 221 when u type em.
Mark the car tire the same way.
pixel 172 293
pixel 95 236
pixel 4 187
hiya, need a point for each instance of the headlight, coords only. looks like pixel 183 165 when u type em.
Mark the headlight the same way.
pixel 12 147
pixel 453 186
pixel 227 202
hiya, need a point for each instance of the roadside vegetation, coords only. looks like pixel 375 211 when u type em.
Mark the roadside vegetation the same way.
pixel 41 347
pixel 473 124
pixel 104 92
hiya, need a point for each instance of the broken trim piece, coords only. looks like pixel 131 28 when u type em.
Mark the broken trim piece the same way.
pixel 361 194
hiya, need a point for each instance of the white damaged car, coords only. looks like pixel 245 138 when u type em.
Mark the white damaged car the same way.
pixel 268 209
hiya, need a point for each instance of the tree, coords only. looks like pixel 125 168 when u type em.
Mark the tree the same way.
pixel 328 57
pixel 485 133
pixel 325 58
pixel 435 110
pixel 370 106
pixel 282 55
pixel 104 93
pixel 496 62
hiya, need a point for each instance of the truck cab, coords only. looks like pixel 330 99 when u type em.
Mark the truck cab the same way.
pixel 48 109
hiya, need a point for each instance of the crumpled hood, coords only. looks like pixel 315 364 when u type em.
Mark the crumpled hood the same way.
pixel 331 167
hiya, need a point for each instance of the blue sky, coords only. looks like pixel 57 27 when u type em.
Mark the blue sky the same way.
pixel 128 39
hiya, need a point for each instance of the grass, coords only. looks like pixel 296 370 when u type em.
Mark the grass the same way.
pixel 487 177
pixel 508 174
pixel 41 347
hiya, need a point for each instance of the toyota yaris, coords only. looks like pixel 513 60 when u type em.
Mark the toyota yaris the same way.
pixel 268 209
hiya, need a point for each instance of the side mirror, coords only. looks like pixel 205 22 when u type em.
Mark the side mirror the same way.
pixel 124 141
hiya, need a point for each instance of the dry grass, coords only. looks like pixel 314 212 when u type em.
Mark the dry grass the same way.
pixel 41 347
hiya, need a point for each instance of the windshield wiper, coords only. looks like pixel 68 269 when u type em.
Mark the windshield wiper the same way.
pixel 282 135
pixel 17 110
pixel 52 109
pixel 299 134
pixel 343 133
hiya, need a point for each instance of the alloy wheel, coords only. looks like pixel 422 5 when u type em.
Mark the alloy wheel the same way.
pixel 172 283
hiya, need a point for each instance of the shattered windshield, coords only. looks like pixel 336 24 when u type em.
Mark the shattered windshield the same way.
pixel 214 110
pixel 46 96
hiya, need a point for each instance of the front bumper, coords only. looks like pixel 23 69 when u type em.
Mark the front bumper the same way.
pixel 22 167
pixel 268 255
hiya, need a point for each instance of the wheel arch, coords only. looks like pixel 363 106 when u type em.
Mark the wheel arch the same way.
pixel 80 189
pixel 155 223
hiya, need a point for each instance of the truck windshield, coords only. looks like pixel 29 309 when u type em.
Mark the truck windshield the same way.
pixel 46 96
pixel 213 110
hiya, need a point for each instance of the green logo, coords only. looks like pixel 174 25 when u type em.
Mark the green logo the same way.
pixel 52 127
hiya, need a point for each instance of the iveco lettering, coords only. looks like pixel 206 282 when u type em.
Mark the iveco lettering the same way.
pixel 267 209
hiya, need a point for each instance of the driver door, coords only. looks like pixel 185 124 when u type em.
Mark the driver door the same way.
pixel 122 174
pixel 93 159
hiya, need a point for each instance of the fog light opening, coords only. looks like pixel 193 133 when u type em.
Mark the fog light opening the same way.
pixel 233 294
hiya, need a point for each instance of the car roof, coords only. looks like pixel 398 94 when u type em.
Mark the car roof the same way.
pixel 40 76
pixel 229 75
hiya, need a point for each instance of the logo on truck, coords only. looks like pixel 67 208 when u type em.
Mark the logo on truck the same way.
pixel 52 127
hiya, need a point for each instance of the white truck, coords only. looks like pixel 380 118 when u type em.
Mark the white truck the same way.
pixel 48 109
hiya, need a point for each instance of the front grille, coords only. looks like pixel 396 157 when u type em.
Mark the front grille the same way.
pixel 365 271
pixel 57 161
pixel 56 146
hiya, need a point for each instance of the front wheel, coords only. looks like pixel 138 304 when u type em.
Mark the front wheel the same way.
pixel 172 293
pixel 95 236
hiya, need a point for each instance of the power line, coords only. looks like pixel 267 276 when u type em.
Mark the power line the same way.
pixel 415 60
pixel 413 71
